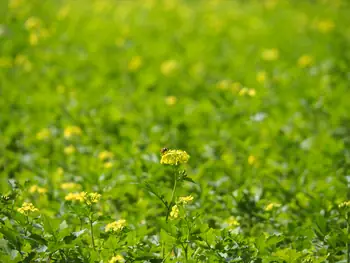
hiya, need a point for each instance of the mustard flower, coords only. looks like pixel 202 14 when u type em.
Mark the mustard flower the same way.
pixel 91 198
pixel 169 67
pixel 76 197
pixel 33 39
pixel 185 199
pixel 174 157
pixel 105 155
pixel 72 131
pixel 271 206
pixel 36 189
pixel 270 54
pixel 344 204
pixel 174 212
pixel 261 77
pixel 251 159
pixel 108 165
pixel 135 63
pixel 232 221
pixel 43 134
pixel 305 61
pixel 117 258
pixel 70 186
pixel 26 208
pixel 116 226
pixel 32 23
pixel 170 100
pixel 69 149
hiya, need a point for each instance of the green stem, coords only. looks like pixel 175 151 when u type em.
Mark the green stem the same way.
pixel 172 196
pixel 92 229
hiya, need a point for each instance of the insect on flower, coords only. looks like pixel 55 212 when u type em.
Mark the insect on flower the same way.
pixel 164 150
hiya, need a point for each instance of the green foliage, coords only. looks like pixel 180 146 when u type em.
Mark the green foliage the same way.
pixel 256 92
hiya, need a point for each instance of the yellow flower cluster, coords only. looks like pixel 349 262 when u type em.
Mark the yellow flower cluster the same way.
pixel 261 77
pixel 36 189
pixel 185 199
pixel 116 226
pixel 70 149
pixel 174 212
pixel 169 67
pixel 70 186
pixel 344 204
pixel 88 198
pixel 71 131
pixel 232 221
pixel 246 91
pixel 43 134
pixel 251 159
pixel 305 61
pixel 117 258
pixel 135 63
pixel 271 206
pixel 26 208
pixel 91 198
pixel 105 155
pixel 170 100
pixel 270 54
pixel 174 157
pixel 36 31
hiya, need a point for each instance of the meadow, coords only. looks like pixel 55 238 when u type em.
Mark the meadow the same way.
pixel 174 131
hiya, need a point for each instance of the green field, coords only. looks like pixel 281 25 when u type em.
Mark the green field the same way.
pixel 251 98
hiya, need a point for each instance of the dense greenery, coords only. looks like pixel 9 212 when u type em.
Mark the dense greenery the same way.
pixel 255 92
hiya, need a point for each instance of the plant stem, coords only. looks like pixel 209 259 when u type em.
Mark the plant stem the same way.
pixel 172 196
pixel 92 229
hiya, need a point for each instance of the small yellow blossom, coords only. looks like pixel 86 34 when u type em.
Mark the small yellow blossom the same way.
pixel 271 206
pixel 116 226
pixel 305 61
pixel 33 39
pixel 261 77
pixel 117 258
pixel 251 159
pixel 91 198
pixel 251 92
pixel 26 208
pixel 59 171
pixel 43 134
pixel 70 186
pixel 185 199
pixel 72 131
pixel 37 189
pixel 105 155
pixel 169 67
pixel 170 100
pixel 325 26
pixel 108 165
pixel 69 150
pixel 174 212
pixel 5 62
pixel 76 197
pixel 232 221
pixel 344 204
pixel 174 157
pixel 135 63
pixel 243 91
pixel 223 84
pixel 270 54
pixel 32 23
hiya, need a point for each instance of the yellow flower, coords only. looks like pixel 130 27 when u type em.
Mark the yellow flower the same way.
pixel 33 39
pixel 69 149
pixel 26 208
pixel 223 84
pixel 174 212
pixel 32 23
pixel 251 92
pixel 261 77
pixel 185 199
pixel 104 155
pixel 325 26
pixel 243 91
pixel 174 157
pixel 5 62
pixel 117 258
pixel 251 159
pixel 108 165
pixel 36 189
pixel 305 61
pixel 271 206
pixel 91 198
pixel 116 226
pixel 232 221
pixel 70 186
pixel 344 204
pixel 170 100
pixel 135 63
pixel 270 54
pixel 72 131
pixel 169 67
pixel 43 134
pixel 76 197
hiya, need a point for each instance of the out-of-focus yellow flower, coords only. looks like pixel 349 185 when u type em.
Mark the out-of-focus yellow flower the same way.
pixel 108 165
pixel 116 226
pixel 251 159
pixel 117 258
pixel 174 213
pixel 37 189
pixel 135 63
pixel 72 131
pixel 14 4
pixel 63 12
pixel 243 91
pixel 344 204
pixel 305 61
pixel 185 199
pixel 69 150
pixel 32 23
pixel 91 198
pixel 70 186
pixel 33 39
pixel 59 171
pixel 105 155
pixel 251 92
pixel 169 67
pixel 5 62
pixel 232 221
pixel 170 100
pixel 43 134
pixel 271 206
pixel 261 77
pixel 223 84
pixel 76 196
pixel 174 157
pixel 26 208
pixel 270 54
pixel 325 26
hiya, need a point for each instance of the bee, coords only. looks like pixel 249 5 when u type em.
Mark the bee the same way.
pixel 164 150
